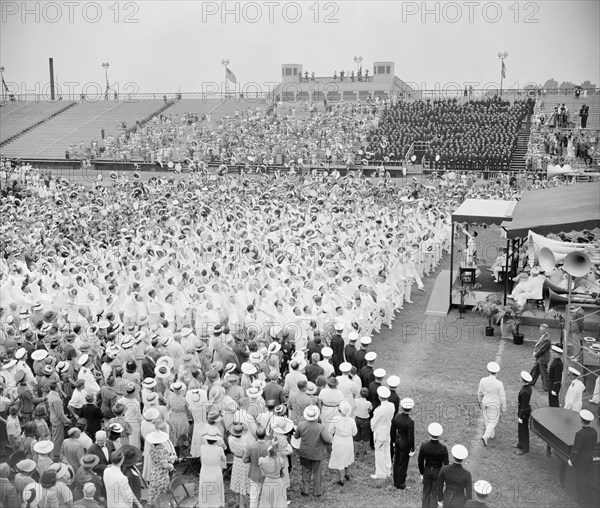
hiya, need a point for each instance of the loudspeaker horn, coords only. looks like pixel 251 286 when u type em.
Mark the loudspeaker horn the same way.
pixel 546 259
pixel 577 264
pixel 551 300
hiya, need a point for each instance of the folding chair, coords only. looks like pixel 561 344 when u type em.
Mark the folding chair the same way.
pixel 184 495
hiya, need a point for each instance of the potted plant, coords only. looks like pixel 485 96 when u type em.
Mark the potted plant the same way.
pixel 463 292
pixel 489 307
pixel 511 316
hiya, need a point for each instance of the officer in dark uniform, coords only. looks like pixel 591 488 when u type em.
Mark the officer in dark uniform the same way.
pixel 373 385
pixel 288 348
pixel 555 376
pixel 432 456
pixel 403 436
pixel 482 491
pixel 350 349
pixel 454 483
pixel 337 345
pixel 359 356
pixel 366 373
pixel 393 382
pixel 524 412
pixel 582 459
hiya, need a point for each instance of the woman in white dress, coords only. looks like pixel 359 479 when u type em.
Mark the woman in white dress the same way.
pixel 212 491
pixel 198 402
pixel 342 446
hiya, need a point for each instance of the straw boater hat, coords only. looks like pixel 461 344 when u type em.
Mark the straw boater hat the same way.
pixel 311 413
pixel 238 429
pixel 177 386
pixel 26 465
pixel 165 360
pixel 151 414
pixel 43 447
pixel 211 434
pixel 89 461
pixel 149 382
pixel 248 368
pixel 39 354
pixel 162 371
pixel 282 425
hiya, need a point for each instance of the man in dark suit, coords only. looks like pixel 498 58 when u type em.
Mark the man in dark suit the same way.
pixel 350 349
pixel 454 482
pixel 314 439
pixel 524 412
pixel 102 449
pixel 240 350
pixel 315 346
pixel 148 363
pixel 584 113
pixel 337 345
pixel 541 355
pixel 403 436
pixel 432 456
pixel 314 370
pixel 582 459
pixel 228 355
pixel 273 390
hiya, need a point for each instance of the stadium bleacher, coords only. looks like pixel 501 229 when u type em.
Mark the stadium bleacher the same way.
pixel 79 124
pixel 19 116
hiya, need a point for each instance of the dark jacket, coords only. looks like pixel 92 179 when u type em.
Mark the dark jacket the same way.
pixel 454 486
pixel 555 375
pixel 314 440
pixel 403 430
pixel 350 354
pixel 97 451
pixel 524 398
pixel 432 454
pixel 582 453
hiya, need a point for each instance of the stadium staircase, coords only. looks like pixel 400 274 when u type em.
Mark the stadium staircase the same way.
pixel 517 161
pixel 80 124
pixel 17 118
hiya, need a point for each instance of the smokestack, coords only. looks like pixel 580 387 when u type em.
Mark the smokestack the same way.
pixel 51 79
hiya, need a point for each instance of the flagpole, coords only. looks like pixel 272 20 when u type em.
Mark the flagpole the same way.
pixel 225 63
pixel 4 91
pixel 502 56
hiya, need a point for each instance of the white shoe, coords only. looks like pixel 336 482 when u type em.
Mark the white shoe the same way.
pixel 375 477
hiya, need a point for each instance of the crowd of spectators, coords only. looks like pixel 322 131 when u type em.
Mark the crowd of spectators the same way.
pixel 477 134
pixel 252 137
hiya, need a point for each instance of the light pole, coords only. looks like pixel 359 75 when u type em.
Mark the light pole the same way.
pixel 502 56
pixel 358 60
pixel 225 62
pixel 106 65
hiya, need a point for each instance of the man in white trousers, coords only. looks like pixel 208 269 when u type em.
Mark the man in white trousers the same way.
pixel 492 400
pixel 381 425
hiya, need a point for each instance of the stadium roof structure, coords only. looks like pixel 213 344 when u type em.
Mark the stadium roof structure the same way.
pixel 556 210
pixel 484 211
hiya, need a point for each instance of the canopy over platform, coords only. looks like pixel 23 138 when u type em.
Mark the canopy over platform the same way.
pixel 484 211
pixel 556 210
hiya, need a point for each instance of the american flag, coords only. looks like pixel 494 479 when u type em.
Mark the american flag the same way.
pixel 230 76
pixel 503 69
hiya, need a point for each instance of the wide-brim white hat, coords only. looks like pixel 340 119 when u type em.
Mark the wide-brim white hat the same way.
pixel 311 413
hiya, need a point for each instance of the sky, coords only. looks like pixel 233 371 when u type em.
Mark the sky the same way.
pixel 168 46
